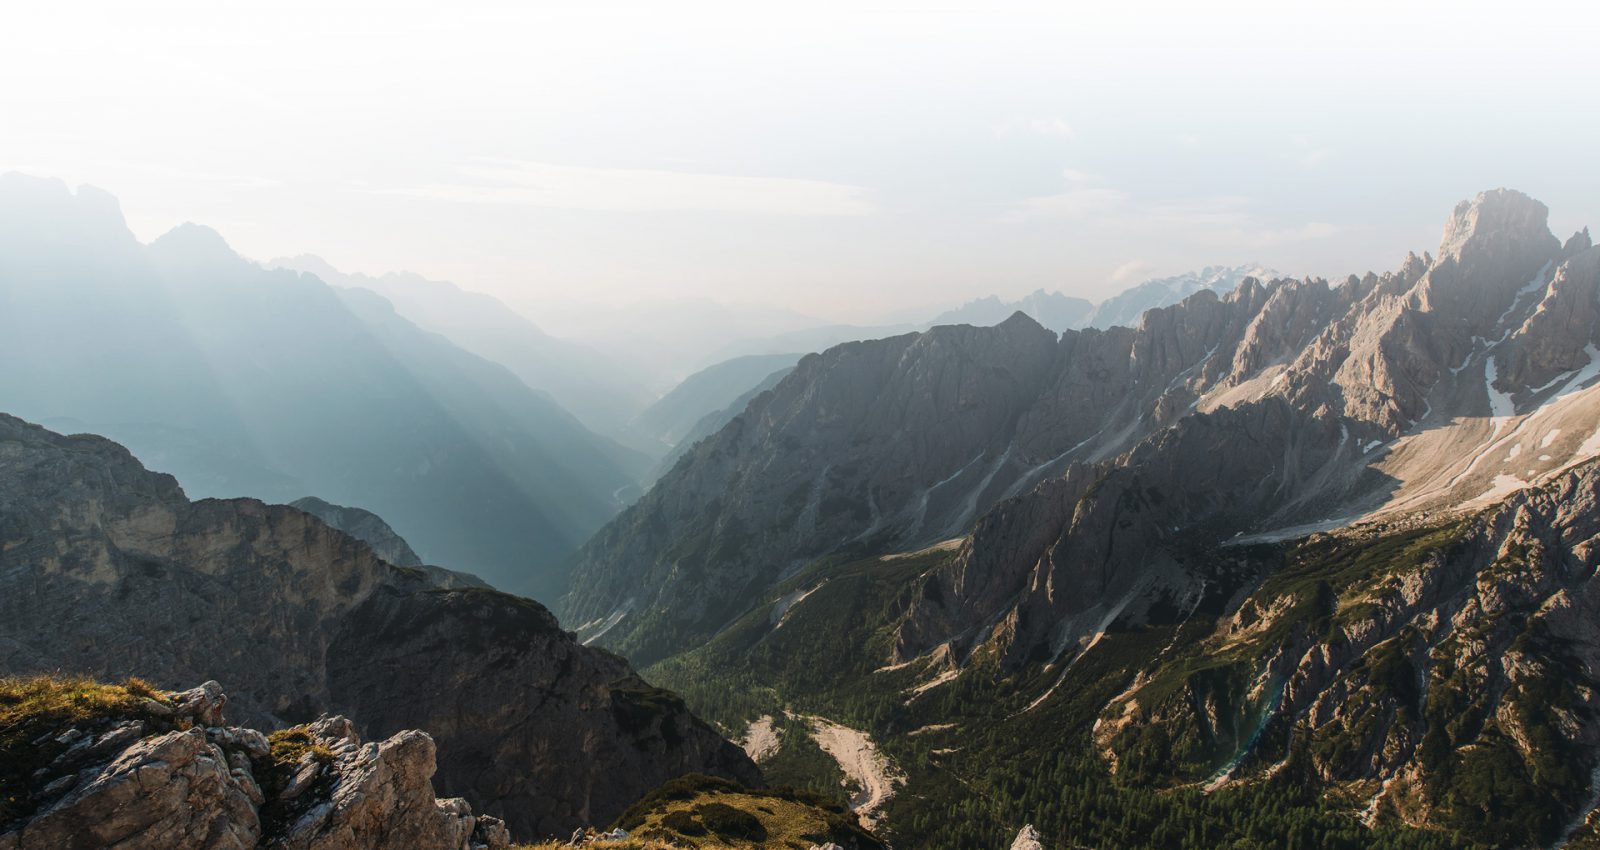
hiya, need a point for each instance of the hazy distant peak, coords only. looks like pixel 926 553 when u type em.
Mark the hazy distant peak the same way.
pixel 1052 310
pixel 1126 307
pixel 47 211
pixel 1580 241
pixel 193 237
pixel 194 244
pixel 384 284
pixel 1499 216
pixel 1020 319
pixel 308 263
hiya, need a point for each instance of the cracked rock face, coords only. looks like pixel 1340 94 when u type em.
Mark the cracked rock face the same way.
pixel 167 791
pixel 194 787
pixel 380 794
pixel 303 620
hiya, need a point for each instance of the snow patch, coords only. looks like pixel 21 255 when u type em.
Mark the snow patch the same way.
pixel 1503 484
pixel 1590 446
pixel 1501 407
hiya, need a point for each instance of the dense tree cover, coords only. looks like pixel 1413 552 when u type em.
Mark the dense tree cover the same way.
pixel 982 760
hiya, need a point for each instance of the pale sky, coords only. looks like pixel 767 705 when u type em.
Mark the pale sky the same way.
pixel 836 160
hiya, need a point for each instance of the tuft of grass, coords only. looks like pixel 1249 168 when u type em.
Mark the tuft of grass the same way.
pixel 289 747
pixel 708 813
pixel 32 707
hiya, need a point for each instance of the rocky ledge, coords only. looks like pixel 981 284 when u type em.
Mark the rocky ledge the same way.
pixel 122 767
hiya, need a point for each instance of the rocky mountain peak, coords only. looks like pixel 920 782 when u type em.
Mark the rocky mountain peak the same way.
pixel 1496 220
pixel 1413 266
pixel 1577 243
pixel 46 213
pixel 194 245
pixel 1020 321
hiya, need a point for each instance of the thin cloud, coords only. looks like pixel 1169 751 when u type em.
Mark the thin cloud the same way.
pixel 1071 204
pixel 1130 271
pixel 1307 152
pixel 575 187
pixel 1051 128
pixel 1226 219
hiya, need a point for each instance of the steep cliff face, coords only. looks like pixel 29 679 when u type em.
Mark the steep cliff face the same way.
pixel 107 568
pixel 1281 405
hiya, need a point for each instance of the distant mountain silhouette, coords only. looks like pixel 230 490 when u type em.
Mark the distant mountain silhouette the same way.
pixel 188 353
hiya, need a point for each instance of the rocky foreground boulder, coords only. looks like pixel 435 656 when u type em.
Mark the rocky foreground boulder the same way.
pixel 163 772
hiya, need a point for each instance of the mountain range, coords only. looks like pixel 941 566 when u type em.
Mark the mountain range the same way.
pixel 580 379
pixel 1271 561
pixel 273 384
pixel 1321 545
pixel 1059 312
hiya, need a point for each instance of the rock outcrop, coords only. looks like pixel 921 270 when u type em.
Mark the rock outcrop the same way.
pixel 1027 839
pixel 304 620
pixel 169 775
